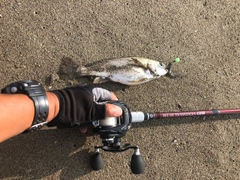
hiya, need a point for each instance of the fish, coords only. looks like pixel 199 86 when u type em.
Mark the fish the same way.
pixel 129 70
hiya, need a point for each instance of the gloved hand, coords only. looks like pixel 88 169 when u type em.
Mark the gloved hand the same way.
pixel 82 104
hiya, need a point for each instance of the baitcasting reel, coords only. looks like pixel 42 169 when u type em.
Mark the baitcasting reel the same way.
pixel 111 130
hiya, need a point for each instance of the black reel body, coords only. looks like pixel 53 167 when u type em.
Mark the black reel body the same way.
pixel 111 130
pixel 114 128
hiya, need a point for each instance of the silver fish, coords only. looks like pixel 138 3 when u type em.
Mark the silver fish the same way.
pixel 128 71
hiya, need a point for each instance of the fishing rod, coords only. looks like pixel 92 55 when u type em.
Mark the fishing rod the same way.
pixel 140 116
pixel 112 129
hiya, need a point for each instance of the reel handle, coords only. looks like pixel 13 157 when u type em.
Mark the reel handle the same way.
pixel 97 162
pixel 137 163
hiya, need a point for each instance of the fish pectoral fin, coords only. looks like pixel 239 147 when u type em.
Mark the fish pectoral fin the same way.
pixel 139 62
pixel 99 80
pixel 144 64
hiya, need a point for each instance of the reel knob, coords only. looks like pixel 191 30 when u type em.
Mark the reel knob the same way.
pixel 137 163
pixel 97 162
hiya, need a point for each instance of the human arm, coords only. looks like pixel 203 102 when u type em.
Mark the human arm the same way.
pixel 17 112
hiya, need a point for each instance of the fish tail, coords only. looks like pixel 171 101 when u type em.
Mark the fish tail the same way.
pixel 82 70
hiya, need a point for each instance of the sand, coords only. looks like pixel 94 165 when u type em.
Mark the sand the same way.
pixel 48 40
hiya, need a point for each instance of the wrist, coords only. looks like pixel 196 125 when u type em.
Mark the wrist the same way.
pixel 53 106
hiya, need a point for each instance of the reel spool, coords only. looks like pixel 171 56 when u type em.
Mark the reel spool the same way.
pixel 111 130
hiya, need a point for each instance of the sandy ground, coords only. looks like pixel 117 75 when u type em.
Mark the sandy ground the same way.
pixel 47 40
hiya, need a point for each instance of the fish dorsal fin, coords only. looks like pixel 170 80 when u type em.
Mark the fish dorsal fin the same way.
pixel 99 80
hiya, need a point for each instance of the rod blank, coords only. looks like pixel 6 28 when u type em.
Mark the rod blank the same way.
pixel 141 116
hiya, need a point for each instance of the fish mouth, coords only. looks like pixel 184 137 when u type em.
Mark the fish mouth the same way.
pixel 169 66
pixel 169 70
